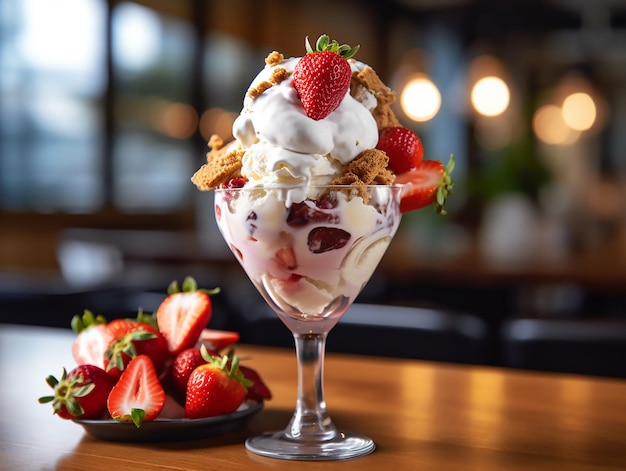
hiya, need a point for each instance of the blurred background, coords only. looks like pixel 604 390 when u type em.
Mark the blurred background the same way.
pixel 106 107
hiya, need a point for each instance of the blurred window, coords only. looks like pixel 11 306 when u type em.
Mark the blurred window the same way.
pixel 153 156
pixel 51 83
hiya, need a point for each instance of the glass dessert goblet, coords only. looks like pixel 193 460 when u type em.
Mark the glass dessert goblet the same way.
pixel 309 251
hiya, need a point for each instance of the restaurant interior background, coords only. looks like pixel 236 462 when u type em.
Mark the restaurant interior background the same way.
pixel 106 108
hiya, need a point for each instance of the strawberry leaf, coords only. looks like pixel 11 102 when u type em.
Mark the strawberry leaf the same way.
pixel 189 284
pixel 445 187
pixel 88 319
pixel 137 416
pixel 324 43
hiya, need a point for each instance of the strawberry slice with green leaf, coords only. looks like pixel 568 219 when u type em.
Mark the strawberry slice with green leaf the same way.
pixel 183 314
pixel 429 183
pixel 137 396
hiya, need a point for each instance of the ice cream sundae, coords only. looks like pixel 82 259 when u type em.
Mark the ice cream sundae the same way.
pixel 308 196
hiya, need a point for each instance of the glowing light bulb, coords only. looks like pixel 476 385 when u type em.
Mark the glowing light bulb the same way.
pixel 579 111
pixel 549 126
pixel 420 99
pixel 490 96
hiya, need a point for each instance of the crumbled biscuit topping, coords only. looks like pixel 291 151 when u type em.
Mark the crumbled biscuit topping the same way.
pixel 274 58
pixel 223 163
pixel 278 75
pixel 383 114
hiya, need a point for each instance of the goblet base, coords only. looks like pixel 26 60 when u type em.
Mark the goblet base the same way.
pixel 344 445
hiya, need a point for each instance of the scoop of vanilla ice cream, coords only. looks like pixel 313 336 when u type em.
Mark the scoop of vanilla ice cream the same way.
pixel 285 146
pixel 265 164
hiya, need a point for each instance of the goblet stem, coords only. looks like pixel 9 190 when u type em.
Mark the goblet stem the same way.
pixel 311 420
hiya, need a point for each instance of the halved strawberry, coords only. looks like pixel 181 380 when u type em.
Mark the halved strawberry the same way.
pixel 323 239
pixel 403 147
pixel 183 314
pixel 428 183
pixel 217 340
pixel 92 340
pixel 137 396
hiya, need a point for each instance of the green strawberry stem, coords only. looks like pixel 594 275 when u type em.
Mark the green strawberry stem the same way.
pixel 137 416
pixel 125 346
pixel 189 286
pixel 80 323
pixel 144 318
pixel 445 187
pixel 325 44
pixel 229 363
pixel 65 393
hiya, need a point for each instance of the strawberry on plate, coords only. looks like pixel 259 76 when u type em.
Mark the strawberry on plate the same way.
pixel 131 340
pixel 215 388
pixel 322 76
pixel 181 368
pixel 183 314
pixel 257 390
pixel 428 183
pixel 80 394
pixel 137 396
pixel 217 340
pixel 92 340
pixel 403 147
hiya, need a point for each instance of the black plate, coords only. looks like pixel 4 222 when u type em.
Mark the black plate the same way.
pixel 165 430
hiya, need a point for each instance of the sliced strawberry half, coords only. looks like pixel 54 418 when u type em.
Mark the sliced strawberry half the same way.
pixel 218 340
pixel 137 396
pixel 183 314
pixel 428 183
pixel 92 340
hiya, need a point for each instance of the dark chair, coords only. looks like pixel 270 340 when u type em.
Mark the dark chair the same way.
pixel 391 331
pixel 583 346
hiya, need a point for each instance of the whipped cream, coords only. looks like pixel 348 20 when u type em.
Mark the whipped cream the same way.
pixel 285 147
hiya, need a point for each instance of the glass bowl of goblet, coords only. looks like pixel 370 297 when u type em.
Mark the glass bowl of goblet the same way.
pixel 309 251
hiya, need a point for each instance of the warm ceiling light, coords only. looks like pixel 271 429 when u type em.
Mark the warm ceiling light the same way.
pixel 550 128
pixel 490 96
pixel 420 99
pixel 579 111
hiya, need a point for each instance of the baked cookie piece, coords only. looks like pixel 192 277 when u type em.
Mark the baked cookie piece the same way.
pixel 383 114
pixel 367 168
pixel 278 75
pixel 223 163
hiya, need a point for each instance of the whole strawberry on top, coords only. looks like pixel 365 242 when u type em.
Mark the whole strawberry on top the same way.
pixel 322 77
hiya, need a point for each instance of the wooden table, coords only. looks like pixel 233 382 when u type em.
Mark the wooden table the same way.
pixel 422 416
